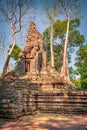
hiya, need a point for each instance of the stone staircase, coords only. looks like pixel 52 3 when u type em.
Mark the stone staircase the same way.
pixel 20 96
pixel 71 103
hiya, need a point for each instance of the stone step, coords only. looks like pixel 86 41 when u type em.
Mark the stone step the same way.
pixel 62 101
pixel 64 112
pixel 62 104
pixel 61 97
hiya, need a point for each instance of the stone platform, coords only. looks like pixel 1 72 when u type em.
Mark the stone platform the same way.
pixel 22 96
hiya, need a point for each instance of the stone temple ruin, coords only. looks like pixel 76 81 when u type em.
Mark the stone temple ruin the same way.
pixel 32 87
pixel 33 56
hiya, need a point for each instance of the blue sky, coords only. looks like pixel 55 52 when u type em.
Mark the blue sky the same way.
pixel 41 24
pixel 83 25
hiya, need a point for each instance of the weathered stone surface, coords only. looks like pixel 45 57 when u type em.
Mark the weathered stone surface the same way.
pixel 21 97
pixel 33 86
pixel 20 67
pixel 13 99
pixel 33 56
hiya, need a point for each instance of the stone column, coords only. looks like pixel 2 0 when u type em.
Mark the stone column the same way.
pixel 36 61
pixel 44 64
pixel 32 66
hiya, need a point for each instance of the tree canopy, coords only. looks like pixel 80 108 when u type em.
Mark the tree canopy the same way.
pixel 16 51
pixel 81 64
pixel 59 30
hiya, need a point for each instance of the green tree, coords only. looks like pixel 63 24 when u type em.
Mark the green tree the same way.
pixel 81 64
pixel 52 13
pixel 59 29
pixel 75 79
pixel 70 8
pixel 16 51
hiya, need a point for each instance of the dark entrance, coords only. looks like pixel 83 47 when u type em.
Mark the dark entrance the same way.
pixel 39 61
pixel 27 66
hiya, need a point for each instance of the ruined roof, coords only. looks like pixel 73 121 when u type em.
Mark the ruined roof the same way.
pixel 34 39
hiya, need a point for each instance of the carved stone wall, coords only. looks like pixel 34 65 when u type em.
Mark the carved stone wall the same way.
pixel 34 51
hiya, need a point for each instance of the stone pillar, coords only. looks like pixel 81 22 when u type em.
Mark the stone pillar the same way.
pixel 36 61
pixel 32 65
pixel 44 64
pixel 28 66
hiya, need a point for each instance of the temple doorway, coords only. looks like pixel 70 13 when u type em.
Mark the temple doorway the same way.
pixel 27 66
pixel 39 62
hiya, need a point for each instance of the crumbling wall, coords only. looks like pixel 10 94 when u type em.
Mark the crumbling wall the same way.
pixel 15 99
pixel 20 67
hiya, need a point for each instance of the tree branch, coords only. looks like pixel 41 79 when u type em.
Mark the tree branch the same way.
pixel 2 48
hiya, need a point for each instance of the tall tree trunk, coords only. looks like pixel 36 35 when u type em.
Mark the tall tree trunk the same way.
pixel 64 70
pixel 7 59
pixel 10 52
pixel 51 45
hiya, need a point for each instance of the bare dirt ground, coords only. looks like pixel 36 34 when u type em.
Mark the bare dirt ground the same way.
pixel 46 122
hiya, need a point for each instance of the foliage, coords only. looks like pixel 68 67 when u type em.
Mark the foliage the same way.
pixel 81 64
pixel 77 82
pixel 16 51
pixel 74 77
pixel 59 32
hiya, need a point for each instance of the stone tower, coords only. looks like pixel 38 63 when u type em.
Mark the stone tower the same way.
pixel 33 54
